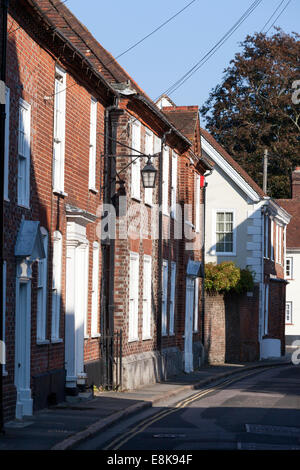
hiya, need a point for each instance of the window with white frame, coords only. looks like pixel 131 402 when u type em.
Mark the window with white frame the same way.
pixel 2 351
pixel 266 236
pixel 136 164
pixel 133 297
pixel 42 281
pixel 6 151
pixel 147 303
pixel 276 243
pixel 224 232
pixel 266 308
pixel 59 130
pixel 280 244
pixel 24 154
pixel 172 298
pixel 272 240
pixel 289 313
pixel 56 284
pixel 289 267
pixel 95 291
pixel 164 297
pixel 165 180
pixel 197 203
pixel 196 305
pixel 93 139
pixel 148 151
pixel 174 185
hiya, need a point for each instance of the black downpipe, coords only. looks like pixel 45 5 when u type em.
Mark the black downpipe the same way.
pixel 108 257
pixel 203 261
pixel 4 8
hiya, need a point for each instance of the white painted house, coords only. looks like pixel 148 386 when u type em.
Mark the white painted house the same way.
pixel 244 225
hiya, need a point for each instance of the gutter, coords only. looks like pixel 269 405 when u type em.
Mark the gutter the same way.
pixel 163 118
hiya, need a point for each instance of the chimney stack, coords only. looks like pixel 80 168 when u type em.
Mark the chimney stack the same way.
pixel 296 183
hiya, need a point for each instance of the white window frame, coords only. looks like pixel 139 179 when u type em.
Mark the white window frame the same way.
pixel 93 141
pixel 136 163
pixel 280 244
pixel 149 145
pixel 165 180
pixel 42 291
pixel 95 291
pixel 272 239
pixel 24 132
pixel 56 285
pixel 164 309
pixel 4 271
pixel 6 151
pixel 174 184
pixel 133 321
pixel 289 261
pixel 197 203
pixel 276 243
pixel 172 298
pixel 196 306
pixel 290 313
pixel 214 218
pixel 266 237
pixel 147 297
pixel 59 131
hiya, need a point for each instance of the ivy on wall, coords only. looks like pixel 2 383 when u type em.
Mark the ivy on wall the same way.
pixel 226 277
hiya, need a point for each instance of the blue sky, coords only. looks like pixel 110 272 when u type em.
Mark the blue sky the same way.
pixel 161 59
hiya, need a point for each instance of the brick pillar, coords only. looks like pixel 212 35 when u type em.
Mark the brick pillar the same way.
pixel 214 328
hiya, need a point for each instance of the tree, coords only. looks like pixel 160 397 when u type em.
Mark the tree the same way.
pixel 252 109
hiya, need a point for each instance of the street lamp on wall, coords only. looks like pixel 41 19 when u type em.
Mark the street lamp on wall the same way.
pixel 149 174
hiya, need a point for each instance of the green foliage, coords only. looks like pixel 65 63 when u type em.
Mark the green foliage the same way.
pixel 226 277
pixel 252 109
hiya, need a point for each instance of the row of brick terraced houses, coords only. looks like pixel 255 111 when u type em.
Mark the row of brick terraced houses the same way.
pixel 101 287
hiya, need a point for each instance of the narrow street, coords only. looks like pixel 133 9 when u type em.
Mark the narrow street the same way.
pixel 260 411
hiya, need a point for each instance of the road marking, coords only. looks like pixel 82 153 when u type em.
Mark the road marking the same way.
pixel 123 439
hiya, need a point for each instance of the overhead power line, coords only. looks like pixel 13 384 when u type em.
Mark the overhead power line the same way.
pixel 212 51
pixel 154 31
pixel 274 13
pixel 285 7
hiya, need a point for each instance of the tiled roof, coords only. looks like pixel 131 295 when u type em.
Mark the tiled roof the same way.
pixel 292 206
pixel 210 139
pixel 73 30
pixel 184 118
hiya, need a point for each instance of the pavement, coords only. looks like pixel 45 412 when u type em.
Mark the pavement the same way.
pixel 67 424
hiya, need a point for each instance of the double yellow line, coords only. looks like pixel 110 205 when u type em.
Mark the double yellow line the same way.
pixel 121 440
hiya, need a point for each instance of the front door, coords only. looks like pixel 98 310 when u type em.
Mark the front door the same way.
pixel 22 349
pixel 76 304
pixel 188 332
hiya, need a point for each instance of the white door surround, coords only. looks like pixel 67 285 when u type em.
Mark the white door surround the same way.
pixel 188 332
pixel 22 340
pixel 28 248
pixel 76 294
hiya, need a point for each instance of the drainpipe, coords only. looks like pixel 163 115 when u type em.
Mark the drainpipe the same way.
pixel 4 8
pixel 108 252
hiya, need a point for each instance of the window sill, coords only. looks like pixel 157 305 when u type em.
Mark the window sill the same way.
pixel 217 253
pixel 56 340
pixel 172 334
pixel 6 199
pixel 133 340
pixel 95 335
pixel 59 192
pixel 24 207
pixel 137 199
pixel 41 342
pixel 147 338
pixel 94 190
pixel 4 373
pixel 150 204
